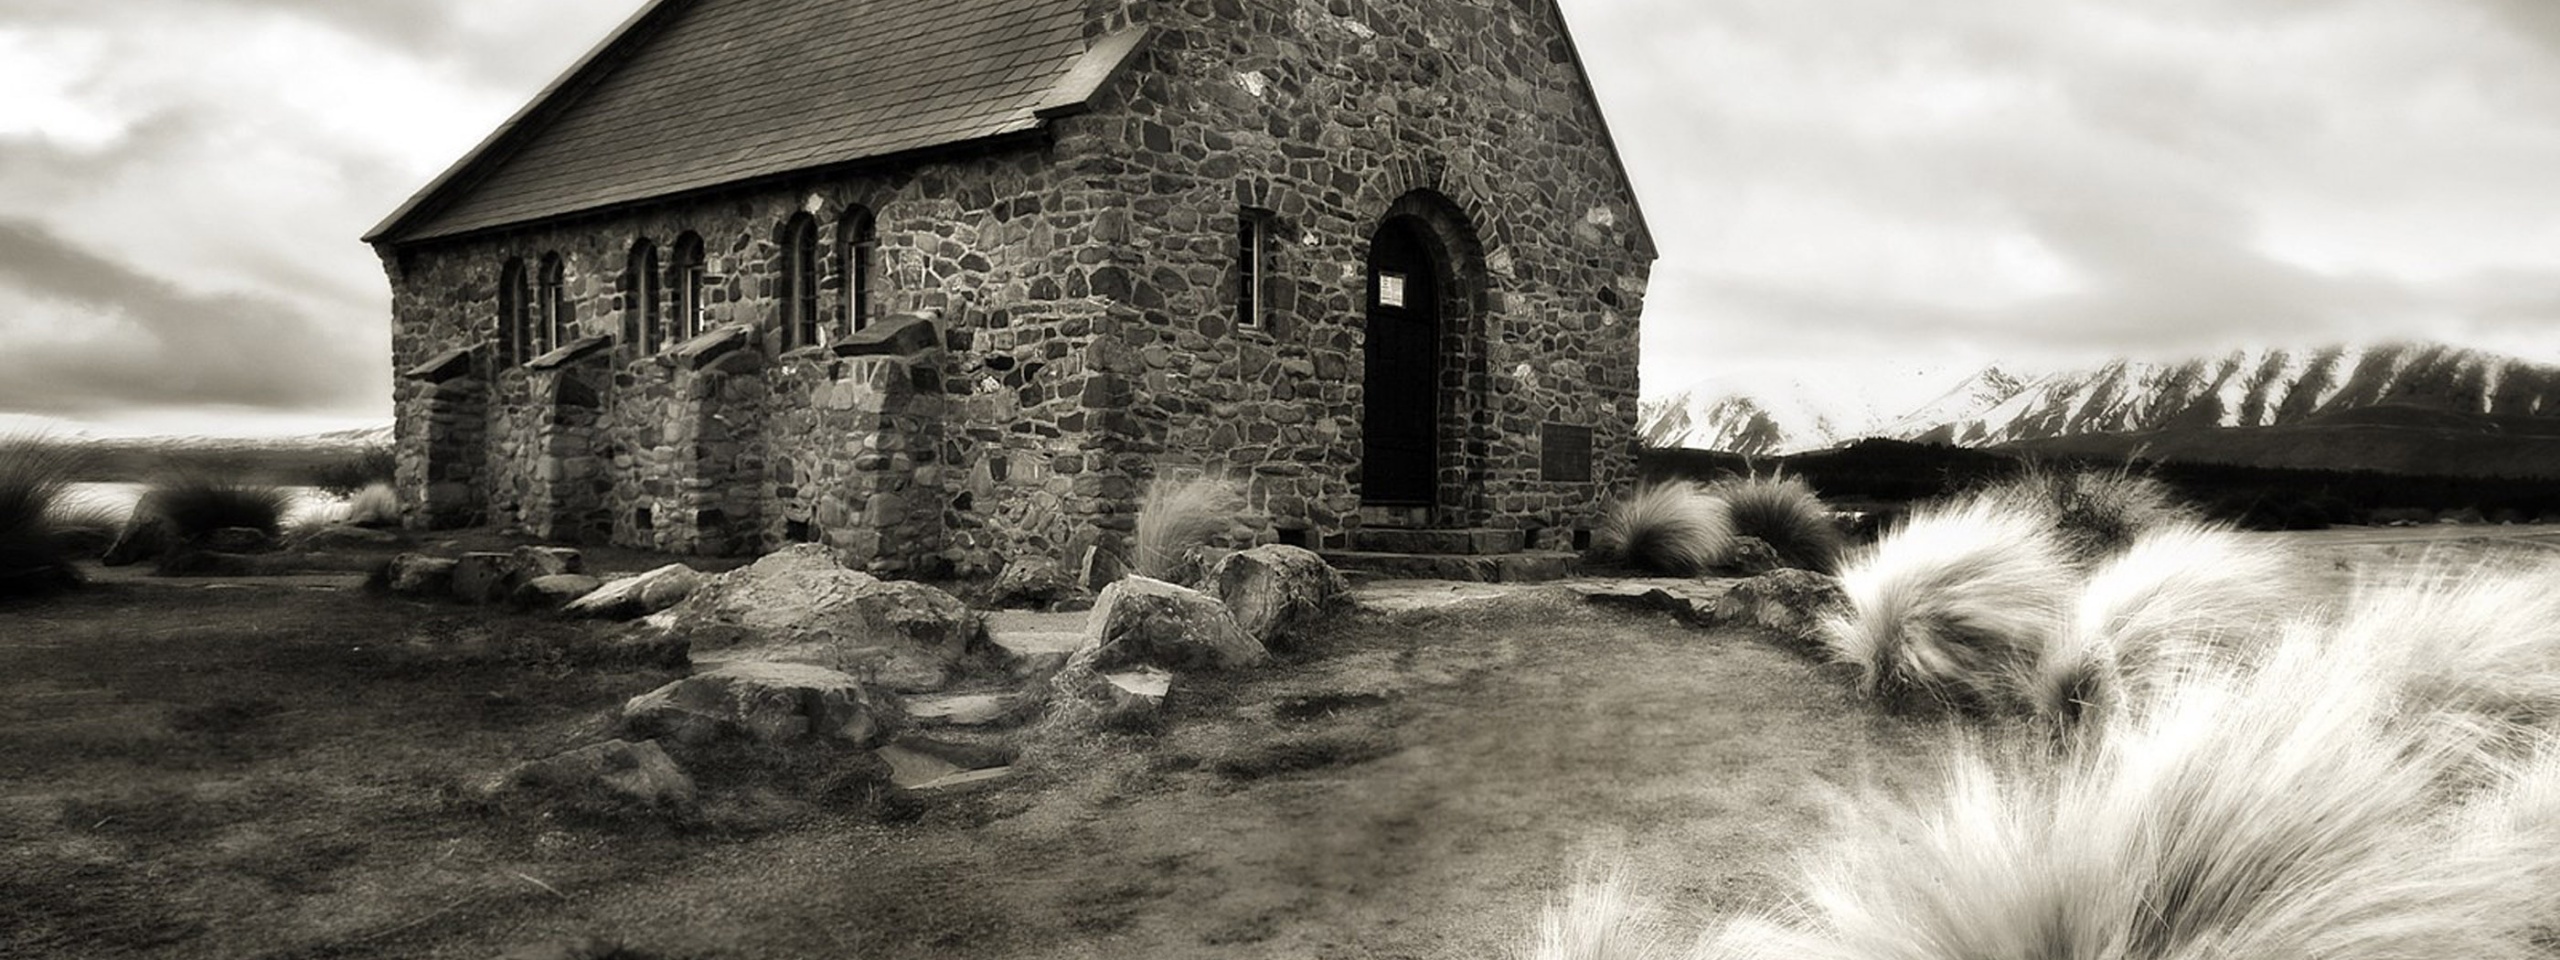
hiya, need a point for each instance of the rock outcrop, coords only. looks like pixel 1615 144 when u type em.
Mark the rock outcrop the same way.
pixel 1277 593
pixel 799 605
pixel 768 703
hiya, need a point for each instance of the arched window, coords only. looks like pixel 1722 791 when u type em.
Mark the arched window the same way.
pixel 513 323
pixel 643 323
pixel 858 251
pixel 799 281
pixel 684 276
pixel 551 296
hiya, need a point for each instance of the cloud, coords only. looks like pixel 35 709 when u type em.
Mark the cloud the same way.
pixel 91 334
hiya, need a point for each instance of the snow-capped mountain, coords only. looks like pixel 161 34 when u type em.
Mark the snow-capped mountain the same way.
pixel 2245 388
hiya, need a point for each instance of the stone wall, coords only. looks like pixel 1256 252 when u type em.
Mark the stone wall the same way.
pixel 1084 290
pixel 1329 115
pixel 1002 246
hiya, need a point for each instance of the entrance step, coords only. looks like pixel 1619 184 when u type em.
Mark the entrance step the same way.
pixel 1475 541
pixel 1524 567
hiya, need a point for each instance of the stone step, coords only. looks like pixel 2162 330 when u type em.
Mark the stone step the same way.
pixel 921 772
pixel 1476 541
pixel 969 710
pixel 1524 567
pixel 1035 644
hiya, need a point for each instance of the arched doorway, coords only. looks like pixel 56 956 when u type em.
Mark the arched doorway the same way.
pixel 1400 435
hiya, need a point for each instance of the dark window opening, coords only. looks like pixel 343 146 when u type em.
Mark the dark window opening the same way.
pixel 552 298
pixel 643 325
pixel 858 236
pixel 1255 253
pixel 800 281
pixel 1292 537
pixel 640 519
pixel 685 277
pixel 514 326
pixel 799 531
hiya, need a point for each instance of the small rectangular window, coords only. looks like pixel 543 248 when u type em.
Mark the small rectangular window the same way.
pixel 1253 269
pixel 1391 289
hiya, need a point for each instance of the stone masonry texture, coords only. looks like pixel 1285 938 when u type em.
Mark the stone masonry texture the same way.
pixel 1079 292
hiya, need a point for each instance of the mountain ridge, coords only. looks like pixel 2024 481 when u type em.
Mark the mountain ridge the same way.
pixel 2252 388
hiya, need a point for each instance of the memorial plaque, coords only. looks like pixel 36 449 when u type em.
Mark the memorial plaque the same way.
pixel 1564 452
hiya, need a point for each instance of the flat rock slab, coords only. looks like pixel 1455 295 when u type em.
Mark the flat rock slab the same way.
pixel 1035 644
pixel 1401 596
pixel 966 709
pixel 920 772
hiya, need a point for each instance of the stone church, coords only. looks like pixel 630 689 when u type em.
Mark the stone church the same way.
pixel 946 283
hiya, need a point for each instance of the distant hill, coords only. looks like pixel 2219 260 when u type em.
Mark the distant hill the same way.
pixel 2396 407
pixel 278 460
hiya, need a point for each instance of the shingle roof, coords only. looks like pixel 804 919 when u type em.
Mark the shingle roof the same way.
pixel 691 94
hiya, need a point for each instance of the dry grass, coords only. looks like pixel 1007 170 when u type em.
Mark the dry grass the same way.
pixel 1956 607
pixel 195 505
pixel 2096 514
pixel 1785 513
pixel 1669 529
pixel 1176 519
pixel 34 554
pixel 2286 808
pixel 1598 919
pixel 2178 592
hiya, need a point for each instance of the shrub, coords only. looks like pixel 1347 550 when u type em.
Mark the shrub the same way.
pixel 1672 529
pixel 1956 606
pixel 34 475
pixel 2096 514
pixel 2179 593
pixel 374 506
pixel 1176 519
pixel 194 505
pixel 2478 645
pixel 1599 919
pixel 375 463
pixel 2277 810
pixel 1785 513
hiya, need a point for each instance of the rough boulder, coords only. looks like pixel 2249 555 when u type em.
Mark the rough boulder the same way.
pixel 638 596
pixel 800 606
pixel 765 702
pixel 1139 621
pixel 1278 593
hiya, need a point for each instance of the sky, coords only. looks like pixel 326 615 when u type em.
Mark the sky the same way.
pixel 1862 200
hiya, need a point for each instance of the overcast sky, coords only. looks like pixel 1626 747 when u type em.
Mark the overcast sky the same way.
pixel 1869 196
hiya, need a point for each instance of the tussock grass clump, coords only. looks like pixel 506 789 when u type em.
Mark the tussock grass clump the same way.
pixel 2177 593
pixel 2096 514
pixel 2477 646
pixel 1956 607
pixel 1176 519
pixel 1785 513
pixel 34 552
pixel 193 505
pixel 373 464
pixel 2282 809
pixel 1669 529
pixel 1598 919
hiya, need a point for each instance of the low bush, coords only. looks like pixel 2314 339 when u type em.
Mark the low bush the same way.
pixel 1176 519
pixel 34 554
pixel 2179 594
pixel 1667 529
pixel 2277 810
pixel 373 464
pixel 1785 513
pixel 194 505
pixel 1956 606
pixel 2096 513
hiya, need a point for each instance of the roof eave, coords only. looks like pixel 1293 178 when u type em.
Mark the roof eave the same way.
pixel 1038 132
pixel 630 30
pixel 1644 230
